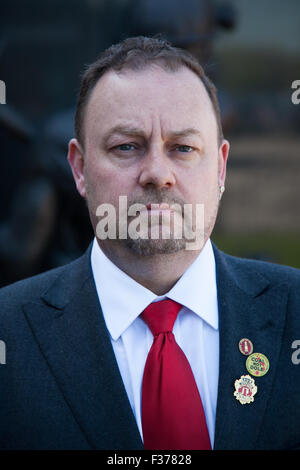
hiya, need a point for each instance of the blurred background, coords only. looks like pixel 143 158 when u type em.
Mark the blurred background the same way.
pixel 249 49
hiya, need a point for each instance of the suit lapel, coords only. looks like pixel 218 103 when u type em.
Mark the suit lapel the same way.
pixel 249 307
pixel 69 327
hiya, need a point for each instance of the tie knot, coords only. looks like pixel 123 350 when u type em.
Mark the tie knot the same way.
pixel 160 316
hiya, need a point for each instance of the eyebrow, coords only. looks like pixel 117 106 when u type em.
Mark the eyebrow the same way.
pixel 135 131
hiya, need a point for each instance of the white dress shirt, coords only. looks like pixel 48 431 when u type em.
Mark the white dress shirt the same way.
pixel 196 328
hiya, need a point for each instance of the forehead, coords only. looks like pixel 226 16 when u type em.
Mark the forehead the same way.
pixel 175 99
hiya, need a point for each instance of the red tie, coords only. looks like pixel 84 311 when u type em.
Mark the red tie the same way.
pixel 172 411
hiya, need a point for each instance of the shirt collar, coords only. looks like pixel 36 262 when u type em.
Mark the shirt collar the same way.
pixel 123 299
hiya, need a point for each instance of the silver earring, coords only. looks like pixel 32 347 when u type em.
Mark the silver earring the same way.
pixel 222 189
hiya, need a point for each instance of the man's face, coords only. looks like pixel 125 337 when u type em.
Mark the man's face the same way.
pixel 150 135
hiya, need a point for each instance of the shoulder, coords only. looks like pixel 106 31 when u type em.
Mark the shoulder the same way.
pixel 33 288
pixel 13 296
pixel 274 273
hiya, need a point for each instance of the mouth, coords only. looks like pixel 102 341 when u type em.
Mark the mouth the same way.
pixel 155 208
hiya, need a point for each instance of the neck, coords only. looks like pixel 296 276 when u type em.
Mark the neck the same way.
pixel 158 273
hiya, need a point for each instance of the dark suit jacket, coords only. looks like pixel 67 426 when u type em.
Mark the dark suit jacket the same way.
pixel 61 388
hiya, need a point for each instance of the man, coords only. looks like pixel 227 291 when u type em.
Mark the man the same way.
pixel 93 360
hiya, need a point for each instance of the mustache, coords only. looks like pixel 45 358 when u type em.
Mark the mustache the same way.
pixel 156 196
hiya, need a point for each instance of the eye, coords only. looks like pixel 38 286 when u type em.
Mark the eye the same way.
pixel 125 147
pixel 184 148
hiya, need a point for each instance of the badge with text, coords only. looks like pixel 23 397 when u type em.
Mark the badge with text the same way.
pixel 245 346
pixel 245 389
pixel 257 364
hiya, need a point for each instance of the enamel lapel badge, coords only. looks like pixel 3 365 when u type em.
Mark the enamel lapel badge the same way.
pixel 257 364
pixel 245 346
pixel 245 389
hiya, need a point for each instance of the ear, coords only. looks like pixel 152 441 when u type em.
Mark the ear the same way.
pixel 76 161
pixel 223 156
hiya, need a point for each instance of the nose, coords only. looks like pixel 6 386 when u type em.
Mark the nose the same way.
pixel 156 170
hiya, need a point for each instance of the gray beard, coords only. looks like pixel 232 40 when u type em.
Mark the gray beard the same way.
pixel 152 247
